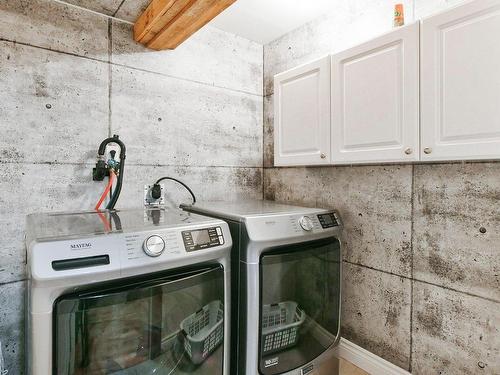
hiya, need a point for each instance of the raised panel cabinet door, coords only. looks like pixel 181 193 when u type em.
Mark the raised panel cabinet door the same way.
pixel 375 99
pixel 302 115
pixel 460 85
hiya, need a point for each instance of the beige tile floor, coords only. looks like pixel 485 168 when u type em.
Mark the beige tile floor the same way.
pixel 347 368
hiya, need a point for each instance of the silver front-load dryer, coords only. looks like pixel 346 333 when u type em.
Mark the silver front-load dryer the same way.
pixel 128 292
pixel 286 269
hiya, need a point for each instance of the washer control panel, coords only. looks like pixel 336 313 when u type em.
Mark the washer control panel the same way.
pixel 146 246
pixel 134 250
pixel 202 238
pixel 154 246
pixel 328 220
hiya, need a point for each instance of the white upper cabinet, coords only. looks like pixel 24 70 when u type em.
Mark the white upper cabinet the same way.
pixel 302 115
pixel 375 100
pixel 428 91
pixel 460 86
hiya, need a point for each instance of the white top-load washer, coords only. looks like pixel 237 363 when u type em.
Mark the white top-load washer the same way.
pixel 286 277
pixel 127 292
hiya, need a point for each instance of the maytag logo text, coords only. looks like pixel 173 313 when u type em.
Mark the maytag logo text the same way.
pixel 80 246
pixel 271 362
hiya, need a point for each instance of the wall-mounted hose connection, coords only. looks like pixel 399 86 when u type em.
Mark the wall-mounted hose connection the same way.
pixel 105 168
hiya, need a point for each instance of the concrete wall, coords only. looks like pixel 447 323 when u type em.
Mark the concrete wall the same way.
pixel 421 284
pixel 70 77
pixel 421 279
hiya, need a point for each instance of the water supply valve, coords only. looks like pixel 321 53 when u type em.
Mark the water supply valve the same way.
pixel 112 163
pixel 100 171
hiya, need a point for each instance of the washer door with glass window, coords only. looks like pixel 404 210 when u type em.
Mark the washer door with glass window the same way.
pixel 162 325
pixel 300 303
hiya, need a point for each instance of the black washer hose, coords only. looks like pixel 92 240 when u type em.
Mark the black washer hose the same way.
pixel 102 149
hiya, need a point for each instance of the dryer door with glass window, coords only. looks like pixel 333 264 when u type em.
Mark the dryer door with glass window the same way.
pixel 299 304
pixel 166 324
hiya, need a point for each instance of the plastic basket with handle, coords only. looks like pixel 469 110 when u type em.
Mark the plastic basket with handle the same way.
pixel 203 331
pixel 280 326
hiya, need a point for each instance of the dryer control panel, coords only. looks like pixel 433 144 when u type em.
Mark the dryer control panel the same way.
pixel 306 225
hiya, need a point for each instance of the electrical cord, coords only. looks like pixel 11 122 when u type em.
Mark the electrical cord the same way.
pixel 156 190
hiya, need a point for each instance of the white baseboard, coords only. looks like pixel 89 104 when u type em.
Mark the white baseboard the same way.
pixel 365 360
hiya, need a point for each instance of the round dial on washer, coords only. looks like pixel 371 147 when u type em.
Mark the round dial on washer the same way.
pixel 154 246
pixel 306 223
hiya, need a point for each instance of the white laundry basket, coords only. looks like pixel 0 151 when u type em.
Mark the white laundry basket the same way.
pixel 203 331
pixel 280 326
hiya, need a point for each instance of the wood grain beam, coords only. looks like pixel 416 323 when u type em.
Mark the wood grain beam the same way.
pixel 165 24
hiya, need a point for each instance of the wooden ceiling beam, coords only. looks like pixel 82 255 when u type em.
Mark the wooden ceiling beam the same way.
pixel 165 24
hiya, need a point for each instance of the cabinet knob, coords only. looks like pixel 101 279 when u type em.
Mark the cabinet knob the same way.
pixel 408 151
pixel 323 156
pixel 427 150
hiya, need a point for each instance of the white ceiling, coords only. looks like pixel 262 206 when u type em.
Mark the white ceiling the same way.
pixel 266 20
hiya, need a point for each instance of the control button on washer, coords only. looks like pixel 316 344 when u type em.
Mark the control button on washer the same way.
pixel 154 246
pixel 219 231
pixel 221 240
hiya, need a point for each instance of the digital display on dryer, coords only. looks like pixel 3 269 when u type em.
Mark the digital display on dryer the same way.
pixel 328 220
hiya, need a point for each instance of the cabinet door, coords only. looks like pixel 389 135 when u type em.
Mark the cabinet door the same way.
pixel 460 60
pixel 375 101
pixel 302 115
